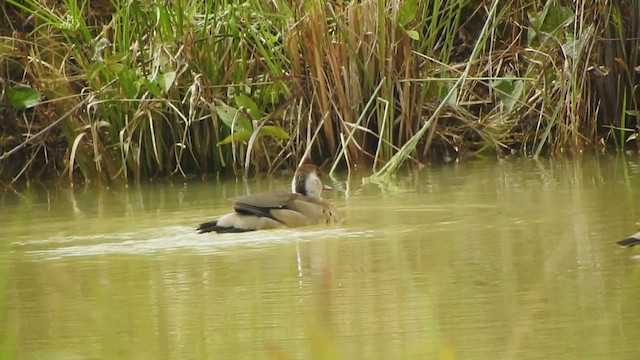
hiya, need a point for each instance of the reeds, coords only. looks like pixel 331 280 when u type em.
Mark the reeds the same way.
pixel 137 89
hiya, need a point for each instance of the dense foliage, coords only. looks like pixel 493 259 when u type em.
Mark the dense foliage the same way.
pixel 126 89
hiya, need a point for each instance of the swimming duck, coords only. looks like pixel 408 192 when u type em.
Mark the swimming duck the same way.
pixel 303 206
pixel 632 240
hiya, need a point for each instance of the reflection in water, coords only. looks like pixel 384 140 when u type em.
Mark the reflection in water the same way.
pixel 511 259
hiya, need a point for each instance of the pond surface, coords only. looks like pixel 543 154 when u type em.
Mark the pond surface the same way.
pixel 510 259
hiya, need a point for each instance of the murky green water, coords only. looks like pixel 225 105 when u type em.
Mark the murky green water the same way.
pixel 482 260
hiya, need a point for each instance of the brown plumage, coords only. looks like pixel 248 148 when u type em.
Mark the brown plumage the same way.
pixel 269 210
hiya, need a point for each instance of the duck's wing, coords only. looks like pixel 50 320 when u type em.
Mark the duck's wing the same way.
pixel 262 204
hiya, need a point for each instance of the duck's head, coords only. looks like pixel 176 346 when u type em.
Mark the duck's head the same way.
pixel 308 181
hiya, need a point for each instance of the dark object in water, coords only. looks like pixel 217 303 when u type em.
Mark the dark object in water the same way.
pixel 632 240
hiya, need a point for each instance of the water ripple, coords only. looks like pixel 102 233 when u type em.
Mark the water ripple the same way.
pixel 177 238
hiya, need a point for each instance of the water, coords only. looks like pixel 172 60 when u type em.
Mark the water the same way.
pixel 513 259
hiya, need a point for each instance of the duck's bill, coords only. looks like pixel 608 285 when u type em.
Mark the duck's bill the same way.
pixel 326 187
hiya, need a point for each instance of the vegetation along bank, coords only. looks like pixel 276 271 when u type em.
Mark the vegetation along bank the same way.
pixel 113 90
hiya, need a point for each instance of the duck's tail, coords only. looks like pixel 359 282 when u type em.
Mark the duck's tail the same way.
pixel 212 226
pixel 630 241
pixel 208 227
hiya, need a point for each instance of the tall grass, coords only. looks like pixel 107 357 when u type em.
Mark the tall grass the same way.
pixel 128 90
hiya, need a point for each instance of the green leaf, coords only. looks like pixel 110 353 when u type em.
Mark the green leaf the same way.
pixel 537 19
pixel 549 20
pixel 557 17
pixel 452 101
pixel 94 69
pixel 166 80
pixel 23 97
pixel 246 102
pixel 227 114
pixel 152 86
pixel 412 34
pixel 273 131
pixel 161 83
pixel 267 130
pixel 116 58
pixel 114 63
pixel 115 68
pixel 127 80
pixel 407 12
pixel 509 92
pixel 238 136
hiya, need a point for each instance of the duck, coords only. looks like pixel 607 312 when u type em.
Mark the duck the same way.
pixel 632 240
pixel 304 206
